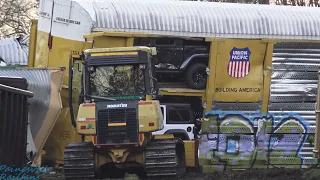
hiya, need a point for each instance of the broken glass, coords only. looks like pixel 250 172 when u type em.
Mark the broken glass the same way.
pixel 127 80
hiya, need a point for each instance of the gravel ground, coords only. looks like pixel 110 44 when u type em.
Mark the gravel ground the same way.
pixel 252 174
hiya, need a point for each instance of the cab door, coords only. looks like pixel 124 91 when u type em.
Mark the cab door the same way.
pixel 75 86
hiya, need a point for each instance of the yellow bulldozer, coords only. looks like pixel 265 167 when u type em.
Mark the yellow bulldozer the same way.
pixel 116 107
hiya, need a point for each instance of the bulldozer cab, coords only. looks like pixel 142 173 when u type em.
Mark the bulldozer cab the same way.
pixel 113 73
pixel 108 83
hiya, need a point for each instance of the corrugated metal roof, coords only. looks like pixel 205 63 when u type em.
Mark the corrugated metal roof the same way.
pixel 208 19
pixel 13 53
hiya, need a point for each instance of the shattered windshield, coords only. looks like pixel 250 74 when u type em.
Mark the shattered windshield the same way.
pixel 109 81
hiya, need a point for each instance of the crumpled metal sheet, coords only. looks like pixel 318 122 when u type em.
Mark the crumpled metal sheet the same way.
pixel 205 19
pixel 45 105
pixel 38 83
pixel 13 52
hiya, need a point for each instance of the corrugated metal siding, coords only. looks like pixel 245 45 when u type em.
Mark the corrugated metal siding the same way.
pixel 294 84
pixel 14 124
pixel 208 19
pixel 38 83
pixel 13 53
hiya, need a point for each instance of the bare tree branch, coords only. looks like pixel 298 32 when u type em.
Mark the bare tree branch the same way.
pixel 15 16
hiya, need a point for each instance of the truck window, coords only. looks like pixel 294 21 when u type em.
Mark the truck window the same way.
pixel 179 116
pixel 162 111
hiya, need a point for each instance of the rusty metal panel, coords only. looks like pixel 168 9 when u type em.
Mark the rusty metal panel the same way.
pixel 204 19
pixel 14 124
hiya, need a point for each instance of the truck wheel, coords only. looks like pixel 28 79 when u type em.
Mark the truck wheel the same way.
pixel 181 136
pixel 196 76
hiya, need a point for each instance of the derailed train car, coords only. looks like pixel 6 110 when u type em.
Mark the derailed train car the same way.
pixel 261 71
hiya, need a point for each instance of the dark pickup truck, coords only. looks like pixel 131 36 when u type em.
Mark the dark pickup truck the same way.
pixel 179 58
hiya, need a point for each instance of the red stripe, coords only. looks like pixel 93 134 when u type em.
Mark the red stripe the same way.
pixel 240 70
pixel 90 119
pixel 233 68
pixel 91 104
pixel 244 67
pixel 95 139
pixel 140 137
pixel 236 70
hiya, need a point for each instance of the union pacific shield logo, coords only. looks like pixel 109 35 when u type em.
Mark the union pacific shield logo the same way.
pixel 239 64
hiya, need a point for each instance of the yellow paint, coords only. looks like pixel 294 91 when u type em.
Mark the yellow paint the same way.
pixel 212 76
pixel 75 57
pixel 115 54
pixel 149 112
pixel 181 92
pixel 42 50
pixel 119 50
pixel 32 42
pixel 76 86
pixel 163 136
pixel 108 42
pixel 87 131
pixel 267 77
pixel 118 153
pixel 83 113
pixel 148 97
pixel 129 41
pixel 60 53
pixel 189 147
pixel 117 124
pixel 61 135
pixel 123 155
pixel 118 156
pixel 246 89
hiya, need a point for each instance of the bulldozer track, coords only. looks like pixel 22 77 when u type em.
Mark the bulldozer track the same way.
pixel 79 161
pixel 165 159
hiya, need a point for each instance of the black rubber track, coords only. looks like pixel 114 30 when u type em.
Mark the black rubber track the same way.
pixel 79 161
pixel 165 159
